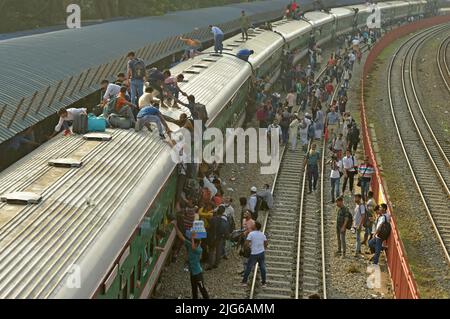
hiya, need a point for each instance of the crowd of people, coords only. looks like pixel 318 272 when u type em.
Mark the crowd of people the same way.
pixel 306 113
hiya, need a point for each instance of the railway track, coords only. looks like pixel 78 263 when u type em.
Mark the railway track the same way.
pixel 442 63
pixel 426 158
pixel 295 258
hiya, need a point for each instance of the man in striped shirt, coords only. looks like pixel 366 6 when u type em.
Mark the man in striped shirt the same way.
pixel 365 172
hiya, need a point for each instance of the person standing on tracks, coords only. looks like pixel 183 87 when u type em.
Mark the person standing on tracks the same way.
pixel 284 123
pixel 332 121
pixel 258 244
pixel 293 132
pixel 245 25
pixel 218 229
pixel 349 163
pixel 136 74
pixel 252 202
pixel 195 251
pixel 358 222
pixel 347 77
pixel 312 168
pixel 365 171
pixel 353 137
pixel 382 232
pixel 344 217
pixel 218 38
pixel 319 122
pixel 335 177
pixel 369 220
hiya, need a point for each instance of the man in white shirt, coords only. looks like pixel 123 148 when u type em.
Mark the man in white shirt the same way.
pixel 291 98
pixel 358 222
pixel 65 119
pixel 111 90
pixel 218 38
pixel 349 162
pixel 351 59
pixel 275 129
pixel 258 244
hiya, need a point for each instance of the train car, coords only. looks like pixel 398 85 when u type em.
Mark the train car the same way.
pixel 268 47
pixel 296 33
pixel 344 19
pixel 322 24
pixel 97 227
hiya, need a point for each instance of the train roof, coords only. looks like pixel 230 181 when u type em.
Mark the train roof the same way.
pixel 342 12
pixel 318 18
pixel 263 42
pixel 292 28
pixel 81 209
pixel 34 63
pixel 212 83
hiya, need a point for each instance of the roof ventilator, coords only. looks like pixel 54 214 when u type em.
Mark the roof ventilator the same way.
pixel 65 163
pixel 191 72
pixel 21 198
pixel 209 60
pixel 97 137
pixel 200 66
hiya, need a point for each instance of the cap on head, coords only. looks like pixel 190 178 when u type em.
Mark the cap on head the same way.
pixel 253 189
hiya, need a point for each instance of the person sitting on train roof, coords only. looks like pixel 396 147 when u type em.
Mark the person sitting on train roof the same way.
pixel 120 106
pixel 66 117
pixel 244 54
pixel 151 114
pixel 111 90
pixel 121 79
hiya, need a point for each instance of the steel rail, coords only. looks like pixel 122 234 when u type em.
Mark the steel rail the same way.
pixel 402 143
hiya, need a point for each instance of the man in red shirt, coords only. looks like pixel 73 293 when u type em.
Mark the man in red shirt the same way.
pixel 261 116
pixel 294 6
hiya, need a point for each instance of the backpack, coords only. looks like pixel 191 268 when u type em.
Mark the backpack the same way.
pixel 385 229
pixel 138 69
pixel 200 112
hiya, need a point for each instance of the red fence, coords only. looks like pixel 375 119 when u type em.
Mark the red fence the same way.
pixel 401 276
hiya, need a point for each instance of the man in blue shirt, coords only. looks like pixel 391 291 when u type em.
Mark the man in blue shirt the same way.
pixel 244 54
pixel 148 115
pixel 218 38
pixel 195 251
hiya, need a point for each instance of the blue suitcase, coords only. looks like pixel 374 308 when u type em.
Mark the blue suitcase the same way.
pixel 96 124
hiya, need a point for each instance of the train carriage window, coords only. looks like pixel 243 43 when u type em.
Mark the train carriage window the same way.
pixel 139 269
pixel 132 284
